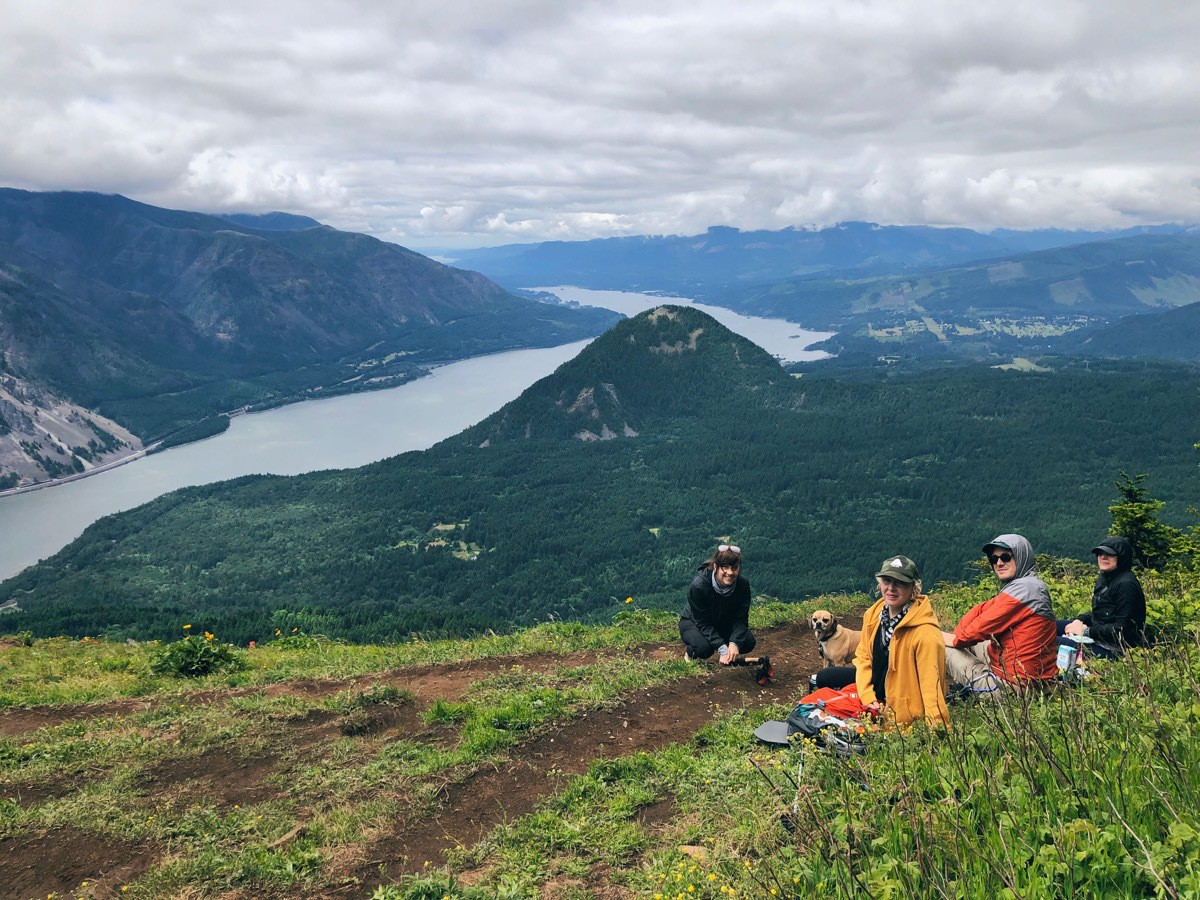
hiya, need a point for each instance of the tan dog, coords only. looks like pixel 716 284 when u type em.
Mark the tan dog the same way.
pixel 835 642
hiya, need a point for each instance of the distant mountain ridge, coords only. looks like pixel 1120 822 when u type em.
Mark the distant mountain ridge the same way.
pixel 158 318
pixel 892 289
pixel 724 258
pixel 1098 279
pixel 273 221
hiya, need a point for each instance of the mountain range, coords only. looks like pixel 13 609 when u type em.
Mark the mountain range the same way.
pixel 615 475
pixel 894 290
pixel 724 258
pixel 157 319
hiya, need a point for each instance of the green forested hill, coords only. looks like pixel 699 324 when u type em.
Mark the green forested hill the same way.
pixel 1015 303
pixel 1174 334
pixel 160 317
pixel 518 519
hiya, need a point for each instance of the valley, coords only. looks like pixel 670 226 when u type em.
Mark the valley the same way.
pixel 811 472
pixel 167 321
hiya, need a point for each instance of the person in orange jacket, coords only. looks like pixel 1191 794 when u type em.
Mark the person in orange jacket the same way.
pixel 1009 639
pixel 900 663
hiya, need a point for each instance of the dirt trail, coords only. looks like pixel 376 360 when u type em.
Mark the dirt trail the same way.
pixel 644 721
pixel 36 864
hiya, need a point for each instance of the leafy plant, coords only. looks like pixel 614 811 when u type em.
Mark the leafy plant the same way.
pixel 195 657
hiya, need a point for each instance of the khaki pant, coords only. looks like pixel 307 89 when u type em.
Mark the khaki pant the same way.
pixel 971 668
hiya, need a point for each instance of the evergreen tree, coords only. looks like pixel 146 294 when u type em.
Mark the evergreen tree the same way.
pixel 1135 517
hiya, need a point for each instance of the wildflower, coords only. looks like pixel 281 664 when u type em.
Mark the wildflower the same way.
pixel 186 627
pixel 628 599
pixel 208 635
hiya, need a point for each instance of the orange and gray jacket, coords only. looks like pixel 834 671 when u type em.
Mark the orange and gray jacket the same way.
pixel 1018 622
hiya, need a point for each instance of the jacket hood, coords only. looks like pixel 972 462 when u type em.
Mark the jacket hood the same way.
pixel 1022 552
pixel 1026 587
pixel 1117 546
pixel 920 613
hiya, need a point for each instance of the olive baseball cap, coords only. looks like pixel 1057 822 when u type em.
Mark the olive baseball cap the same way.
pixel 901 568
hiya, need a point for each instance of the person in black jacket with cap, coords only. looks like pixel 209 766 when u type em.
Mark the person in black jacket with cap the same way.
pixel 1118 616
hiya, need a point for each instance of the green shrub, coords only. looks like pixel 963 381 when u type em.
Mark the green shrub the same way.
pixel 195 657
pixel 297 640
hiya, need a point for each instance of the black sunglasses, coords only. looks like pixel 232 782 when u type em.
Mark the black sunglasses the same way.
pixel 994 558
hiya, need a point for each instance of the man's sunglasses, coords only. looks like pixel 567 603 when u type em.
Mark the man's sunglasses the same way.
pixel 994 558
pixel 721 548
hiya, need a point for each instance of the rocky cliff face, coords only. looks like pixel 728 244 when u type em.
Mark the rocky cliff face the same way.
pixel 43 437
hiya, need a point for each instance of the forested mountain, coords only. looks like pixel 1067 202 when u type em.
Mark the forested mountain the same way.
pixel 1174 334
pixel 614 476
pixel 723 258
pixel 1013 304
pixel 158 318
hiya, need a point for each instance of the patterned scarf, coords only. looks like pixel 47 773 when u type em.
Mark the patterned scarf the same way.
pixel 723 591
pixel 887 624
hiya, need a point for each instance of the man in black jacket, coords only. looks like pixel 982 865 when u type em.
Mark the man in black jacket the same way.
pixel 1118 616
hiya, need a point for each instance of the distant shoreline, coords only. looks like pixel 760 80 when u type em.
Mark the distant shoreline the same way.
pixel 76 476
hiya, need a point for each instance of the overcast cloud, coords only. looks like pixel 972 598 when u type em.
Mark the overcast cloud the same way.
pixel 474 122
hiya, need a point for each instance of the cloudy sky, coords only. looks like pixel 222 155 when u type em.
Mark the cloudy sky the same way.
pixel 460 123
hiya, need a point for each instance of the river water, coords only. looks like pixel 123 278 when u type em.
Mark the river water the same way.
pixel 334 433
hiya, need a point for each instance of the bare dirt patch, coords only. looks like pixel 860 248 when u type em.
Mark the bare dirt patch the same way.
pixel 643 721
pixel 57 862
pixel 220 778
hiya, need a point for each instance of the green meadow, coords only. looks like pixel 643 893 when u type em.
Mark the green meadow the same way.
pixel 1091 790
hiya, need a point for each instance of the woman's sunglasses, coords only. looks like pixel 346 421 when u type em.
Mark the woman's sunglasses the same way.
pixel 721 548
pixel 994 558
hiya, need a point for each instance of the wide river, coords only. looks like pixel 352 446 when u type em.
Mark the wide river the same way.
pixel 336 433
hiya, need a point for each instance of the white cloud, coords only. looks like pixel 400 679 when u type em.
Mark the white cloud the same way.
pixel 465 122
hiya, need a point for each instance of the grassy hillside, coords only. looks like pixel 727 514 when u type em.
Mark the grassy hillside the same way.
pixel 521 518
pixel 572 762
